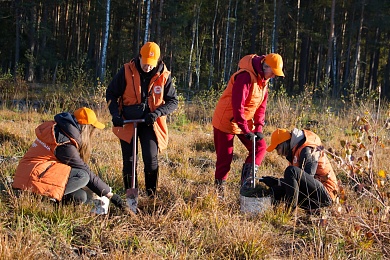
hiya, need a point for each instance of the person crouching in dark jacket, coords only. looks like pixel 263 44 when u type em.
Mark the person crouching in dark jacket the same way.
pixel 55 164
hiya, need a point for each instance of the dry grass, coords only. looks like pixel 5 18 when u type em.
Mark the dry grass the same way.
pixel 186 220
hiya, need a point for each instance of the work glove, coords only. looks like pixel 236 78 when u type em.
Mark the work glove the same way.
pixel 117 121
pixel 259 136
pixel 119 203
pixel 150 118
pixel 270 181
pixel 250 136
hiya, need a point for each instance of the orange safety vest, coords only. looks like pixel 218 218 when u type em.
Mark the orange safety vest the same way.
pixel 223 118
pixel 324 173
pixel 132 95
pixel 39 170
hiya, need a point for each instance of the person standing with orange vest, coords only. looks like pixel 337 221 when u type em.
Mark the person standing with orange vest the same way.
pixel 55 165
pixel 142 88
pixel 309 182
pixel 241 111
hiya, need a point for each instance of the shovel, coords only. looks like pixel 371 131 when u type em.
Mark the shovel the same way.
pixel 253 205
pixel 132 193
pixel 253 162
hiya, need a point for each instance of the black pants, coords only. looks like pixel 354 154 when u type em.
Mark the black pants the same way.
pixel 78 179
pixel 299 188
pixel 149 147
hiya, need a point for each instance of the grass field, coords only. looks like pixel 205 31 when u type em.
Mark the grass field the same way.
pixel 186 220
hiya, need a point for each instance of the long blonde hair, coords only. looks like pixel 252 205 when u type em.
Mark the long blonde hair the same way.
pixel 86 141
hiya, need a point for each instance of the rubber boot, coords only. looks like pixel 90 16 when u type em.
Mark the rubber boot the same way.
pixel 151 182
pixel 246 176
pixel 220 188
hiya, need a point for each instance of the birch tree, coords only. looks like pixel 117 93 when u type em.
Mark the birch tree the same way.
pixel 330 46
pixel 233 40
pixel 212 58
pixel 105 41
pixel 147 22
pixel 296 42
pixel 17 36
pixel 193 33
pixel 356 66
pixel 226 44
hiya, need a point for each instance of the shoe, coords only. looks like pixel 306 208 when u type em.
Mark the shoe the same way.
pixel 246 175
pixel 120 204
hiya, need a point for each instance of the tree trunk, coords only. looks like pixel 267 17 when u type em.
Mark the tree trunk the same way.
pixel 160 12
pixel 226 76
pixel 357 55
pixel 32 18
pixel 105 42
pixel 254 29
pixel 386 80
pixel 233 40
pixel 42 41
pixel 139 25
pixel 295 68
pixel 304 60
pixel 198 50
pixel 212 58
pixel 329 60
pixel 193 33
pixel 17 37
pixel 374 63
pixel 147 21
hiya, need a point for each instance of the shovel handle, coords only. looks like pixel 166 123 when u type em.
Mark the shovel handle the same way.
pixel 134 121
pixel 254 162
pixel 133 170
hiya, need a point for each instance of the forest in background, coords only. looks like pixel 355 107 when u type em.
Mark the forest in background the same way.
pixel 336 49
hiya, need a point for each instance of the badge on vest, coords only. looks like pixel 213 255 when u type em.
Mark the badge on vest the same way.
pixel 295 160
pixel 157 89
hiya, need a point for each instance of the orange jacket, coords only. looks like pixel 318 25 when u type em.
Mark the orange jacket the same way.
pixel 132 95
pixel 39 170
pixel 223 118
pixel 324 173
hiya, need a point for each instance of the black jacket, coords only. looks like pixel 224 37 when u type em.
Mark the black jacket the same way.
pixel 117 86
pixel 68 154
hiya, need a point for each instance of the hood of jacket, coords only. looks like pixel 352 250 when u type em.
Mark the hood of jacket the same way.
pixel 252 62
pixel 68 125
pixel 296 136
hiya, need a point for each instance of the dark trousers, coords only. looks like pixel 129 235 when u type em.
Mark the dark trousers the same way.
pixel 78 179
pixel 299 188
pixel 149 147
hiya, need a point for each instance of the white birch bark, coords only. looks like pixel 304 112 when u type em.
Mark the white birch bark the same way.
pixel 211 73
pixel 147 22
pixel 105 41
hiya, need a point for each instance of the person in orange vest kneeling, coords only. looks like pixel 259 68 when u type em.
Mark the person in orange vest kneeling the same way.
pixel 309 181
pixel 55 164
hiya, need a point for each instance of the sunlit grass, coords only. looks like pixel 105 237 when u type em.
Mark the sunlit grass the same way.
pixel 186 220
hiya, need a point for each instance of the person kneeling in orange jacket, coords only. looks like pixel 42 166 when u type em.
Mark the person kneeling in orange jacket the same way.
pixel 309 181
pixel 55 164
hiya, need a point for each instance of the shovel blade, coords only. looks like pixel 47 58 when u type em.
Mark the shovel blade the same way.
pixel 132 199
